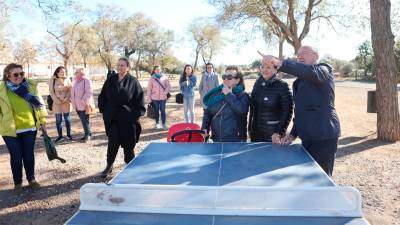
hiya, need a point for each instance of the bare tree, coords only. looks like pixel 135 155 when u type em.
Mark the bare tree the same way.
pixel 285 17
pixel 88 46
pixel 158 43
pixel 206 38
pixel 25 53
pixel 67 42
pixel 213 46
pixel 134 37
pixel 107 28
pixel 388 122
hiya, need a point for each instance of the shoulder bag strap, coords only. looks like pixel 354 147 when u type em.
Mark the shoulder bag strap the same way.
pixel 159 83
pixel 219 111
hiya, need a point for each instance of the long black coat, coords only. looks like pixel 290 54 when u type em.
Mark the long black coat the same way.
pixel 315 117
pixel 121 100
pixel 271 108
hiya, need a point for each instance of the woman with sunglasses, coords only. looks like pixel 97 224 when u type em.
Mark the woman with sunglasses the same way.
pixel 60 91
pixel 22 112
pixel 271 107
pixel 227 108
pixel 187 83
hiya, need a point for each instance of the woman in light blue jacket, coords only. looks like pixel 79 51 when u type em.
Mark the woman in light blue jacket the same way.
pixel 187 82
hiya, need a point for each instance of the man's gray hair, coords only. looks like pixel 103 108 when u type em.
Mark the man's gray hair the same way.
pixel 315 50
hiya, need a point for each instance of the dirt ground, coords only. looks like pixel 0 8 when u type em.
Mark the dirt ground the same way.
pixel 371 166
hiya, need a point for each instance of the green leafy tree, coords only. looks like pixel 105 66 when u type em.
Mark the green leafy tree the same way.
pixel 255 64
pixel 364 58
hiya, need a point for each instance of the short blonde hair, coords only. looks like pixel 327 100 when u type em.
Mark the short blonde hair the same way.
pixel 81 69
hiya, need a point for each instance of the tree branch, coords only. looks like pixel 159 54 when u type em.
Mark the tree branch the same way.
pixel 307 19
pixel 291 19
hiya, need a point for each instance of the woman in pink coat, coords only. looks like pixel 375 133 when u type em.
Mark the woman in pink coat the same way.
pixel 157 90
pixel 82 98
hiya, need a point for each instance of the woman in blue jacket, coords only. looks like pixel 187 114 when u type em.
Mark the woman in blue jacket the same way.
pixel 227 108
pixel 187 82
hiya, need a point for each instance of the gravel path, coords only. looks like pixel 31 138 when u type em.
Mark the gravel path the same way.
pixel 371 166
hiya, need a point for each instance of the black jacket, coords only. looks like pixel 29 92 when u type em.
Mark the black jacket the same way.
pixel 230 124
pixel 315 117
pixel 271 107
pixel 121 100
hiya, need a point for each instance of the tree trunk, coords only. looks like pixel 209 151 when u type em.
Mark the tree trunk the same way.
pixel 204 59
pixel 65 60
pixel 28 69
pixel 388 122
pixel 137 65
pixel 296 45
pixel 154 59
pixel 281 41
pixel 195 61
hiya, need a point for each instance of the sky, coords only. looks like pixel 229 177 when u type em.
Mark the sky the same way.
pixel 176 15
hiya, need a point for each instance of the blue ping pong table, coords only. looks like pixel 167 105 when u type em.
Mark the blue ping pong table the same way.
pixel 218 164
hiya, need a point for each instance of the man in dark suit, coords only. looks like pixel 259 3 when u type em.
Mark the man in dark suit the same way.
pixel 315 120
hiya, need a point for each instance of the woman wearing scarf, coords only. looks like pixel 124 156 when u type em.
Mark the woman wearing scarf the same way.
pixel 121 102
pixel 81 98
pixel 187 82
pixel 227 108
pixel 60 92
pixel 157 90
pixel 22 112
pixel 271 107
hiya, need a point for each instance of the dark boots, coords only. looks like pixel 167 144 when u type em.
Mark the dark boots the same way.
pixel 106 171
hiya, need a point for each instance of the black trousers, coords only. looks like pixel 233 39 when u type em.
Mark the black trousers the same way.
pixel 125 135
pixel 323 152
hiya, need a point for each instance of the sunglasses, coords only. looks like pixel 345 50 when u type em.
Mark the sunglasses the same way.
pixel 18 74
pixel 228 77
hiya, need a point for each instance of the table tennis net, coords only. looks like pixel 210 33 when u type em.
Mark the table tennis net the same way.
pixel 222 200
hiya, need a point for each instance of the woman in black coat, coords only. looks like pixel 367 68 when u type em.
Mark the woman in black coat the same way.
pixel 227 108
pixel 271 107
pixel 121 102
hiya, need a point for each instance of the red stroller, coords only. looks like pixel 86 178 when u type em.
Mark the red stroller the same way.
pixel 185 132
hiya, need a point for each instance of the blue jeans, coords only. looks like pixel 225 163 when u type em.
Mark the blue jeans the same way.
pixel 21 150
pixel 85 122
pixel 159 106
pixel 67 119
pixel 188 108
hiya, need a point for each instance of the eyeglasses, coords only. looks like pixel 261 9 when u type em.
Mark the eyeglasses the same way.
pixel 268 67
pixel 228 77
pixel 18 74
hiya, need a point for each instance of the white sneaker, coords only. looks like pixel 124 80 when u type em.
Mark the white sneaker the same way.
pixel 158 126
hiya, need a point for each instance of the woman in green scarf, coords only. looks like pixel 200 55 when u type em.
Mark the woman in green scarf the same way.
pixel 227 108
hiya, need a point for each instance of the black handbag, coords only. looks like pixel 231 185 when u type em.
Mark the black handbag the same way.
pixel 151 112
pixel 179 98
pixel 50 99
pixel 50 102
